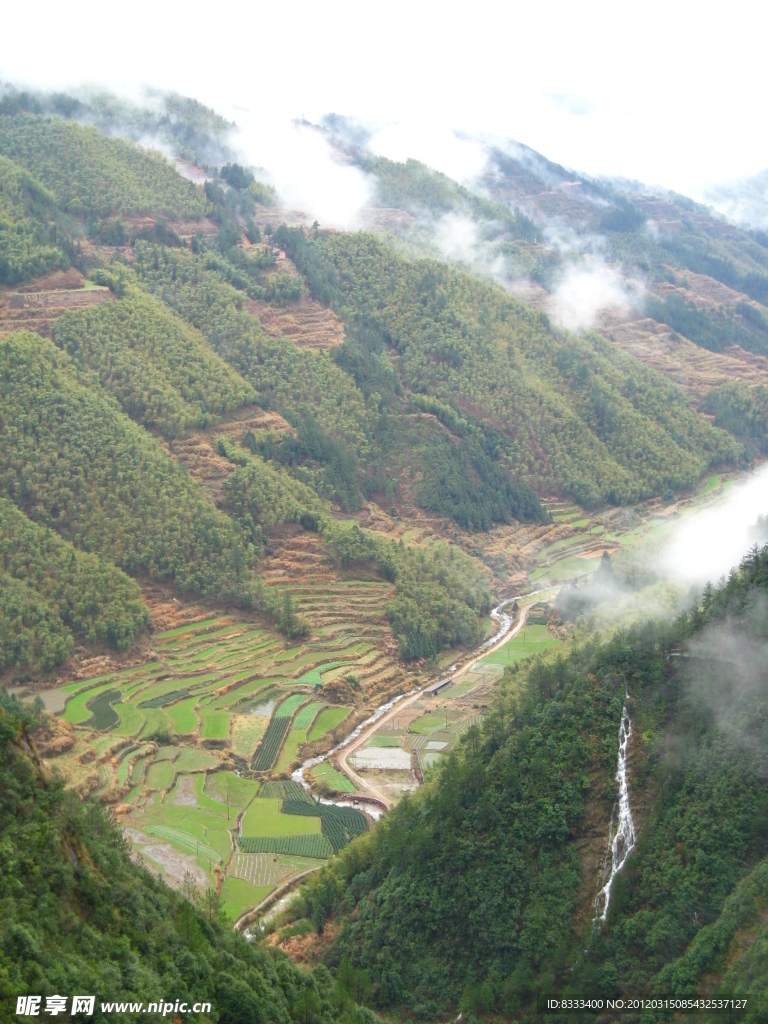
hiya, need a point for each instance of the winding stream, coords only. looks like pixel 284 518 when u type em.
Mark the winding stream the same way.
pixel 505 622
pixel 622 842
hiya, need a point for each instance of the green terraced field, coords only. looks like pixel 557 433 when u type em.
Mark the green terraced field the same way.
pixel 222 785
pixel 215 724
pixel 270 744
pixel 183 717
pixel 427 724
pixel 306 716
pixel 175 712
pixel 193 759
pixel 289 705
pixel 160 775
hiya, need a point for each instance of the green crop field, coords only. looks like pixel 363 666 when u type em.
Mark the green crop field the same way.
pixel 247 730
pixel 76 711
pixel 297 846
pixel 289 705
pixel 103 715
pixel 379 740
pixel 238 896
pixel 131 720
pixel 268 749
pixel 264 818
pixel 306 716
pixel 222 785
pixel 215 724
pixel 427 724
pixel 326 721
pixel 290 749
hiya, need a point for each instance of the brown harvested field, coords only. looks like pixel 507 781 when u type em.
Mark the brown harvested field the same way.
pixel 39 310
pixel 307 323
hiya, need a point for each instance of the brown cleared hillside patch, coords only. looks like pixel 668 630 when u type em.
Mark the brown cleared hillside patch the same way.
pixel 696 370
pixel 38 304
pixel 198 451
pixel 306 322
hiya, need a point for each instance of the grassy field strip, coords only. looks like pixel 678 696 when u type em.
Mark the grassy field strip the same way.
pixel 188 627
pixel 185 840
pixel 327 720
pixel 193 759
pixel 264 818
pixel 326 773
pixel 131 754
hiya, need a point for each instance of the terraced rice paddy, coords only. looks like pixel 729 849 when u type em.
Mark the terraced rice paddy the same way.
pixel 191 743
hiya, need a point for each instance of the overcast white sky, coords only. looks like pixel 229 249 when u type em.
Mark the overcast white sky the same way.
pixel 668 93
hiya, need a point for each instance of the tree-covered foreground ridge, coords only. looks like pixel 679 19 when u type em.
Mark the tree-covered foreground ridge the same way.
pixel 79 916
pixel 259 478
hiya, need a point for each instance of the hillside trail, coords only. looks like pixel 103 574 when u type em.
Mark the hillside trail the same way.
pixel 508 628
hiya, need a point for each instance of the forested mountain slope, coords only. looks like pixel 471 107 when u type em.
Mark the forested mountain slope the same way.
pixel 474 893
pixel 446 396
pixel 80 916
pixel 579 417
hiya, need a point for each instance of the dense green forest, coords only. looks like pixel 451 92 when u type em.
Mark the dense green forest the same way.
pixel 26 229
pixel 52 593
pixel 580 417
pixel 74 462
pixel 96 176
pixel 80 916
pixel 743 412
pixel 471 894
pixel 161 371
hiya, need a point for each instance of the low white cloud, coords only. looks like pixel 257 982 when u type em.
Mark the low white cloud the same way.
pixel 584 291
pixel 457 237
pixel 708 544
pixel 443 149
pixel 307 172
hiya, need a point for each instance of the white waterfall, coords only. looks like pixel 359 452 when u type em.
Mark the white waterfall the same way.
pixel 622 841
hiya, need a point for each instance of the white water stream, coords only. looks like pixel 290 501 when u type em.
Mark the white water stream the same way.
pixel 622 841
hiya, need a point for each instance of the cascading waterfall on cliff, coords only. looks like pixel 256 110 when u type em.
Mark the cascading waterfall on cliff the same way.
pixel 623 840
